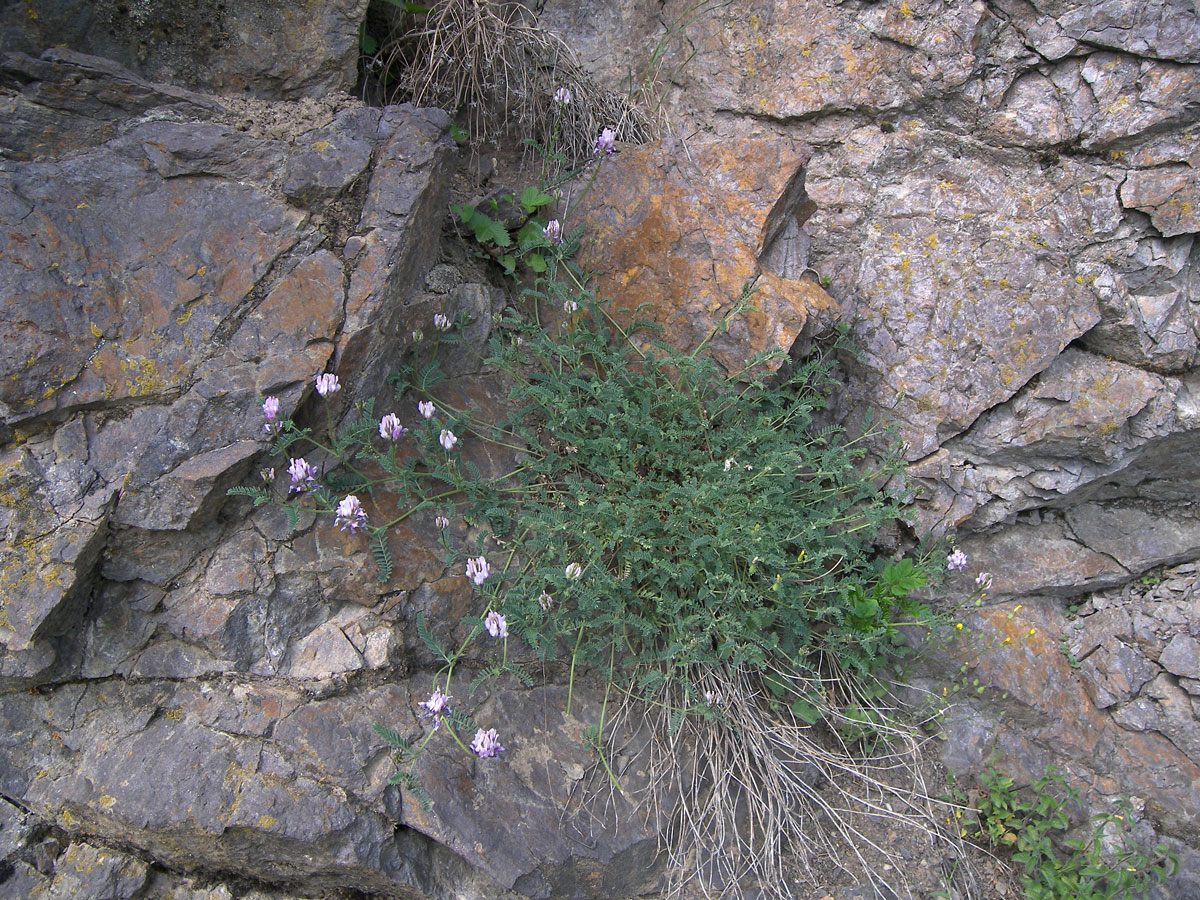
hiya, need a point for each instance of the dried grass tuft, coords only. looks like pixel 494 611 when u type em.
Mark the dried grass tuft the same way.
pixel 489 60
pixel 762 800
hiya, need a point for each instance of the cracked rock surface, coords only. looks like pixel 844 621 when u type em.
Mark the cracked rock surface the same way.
pixel 998 198
pixel 1001 197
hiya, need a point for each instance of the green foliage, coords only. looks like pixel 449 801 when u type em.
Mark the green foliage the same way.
pixel 1032 826
pixel 494 238
pixel 713 523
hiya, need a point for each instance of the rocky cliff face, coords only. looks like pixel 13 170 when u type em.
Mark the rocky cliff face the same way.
pixel 1000 198
pixel 182 678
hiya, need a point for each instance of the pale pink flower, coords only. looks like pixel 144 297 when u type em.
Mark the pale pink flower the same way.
pixel 270 410
pixel 425 407
pixel 478 569
pixel 435 707
pixel 496 625
pixel 328 384
pixel 956 561
pixel 553 231
pixel 563 96
pixel 390 428
pixel 447 439
pixel 441 322
pixel 441 522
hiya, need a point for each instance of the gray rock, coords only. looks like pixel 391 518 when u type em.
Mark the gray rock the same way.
pixel 87 871
pixel 263 48
pixel 15 829
pixel 1135 536
pixel 1115 673
pixel 1182 657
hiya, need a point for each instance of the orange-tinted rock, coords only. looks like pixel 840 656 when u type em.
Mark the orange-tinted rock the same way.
pixel 1170 195
pixel 685 229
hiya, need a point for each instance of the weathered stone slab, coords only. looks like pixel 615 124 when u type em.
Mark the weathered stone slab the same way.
pixel 48 554
pixel 1085 420
pixel 1052 720
pixel 961 273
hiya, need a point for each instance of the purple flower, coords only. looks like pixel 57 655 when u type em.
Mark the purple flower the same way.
pixel 390 428
pixel 545 601
pixel 441 522
pixel 553 231
pixel 425 407
pixel 418 335
pixel 574 571
pixel 712 698
pixel 956 561
pixel 350 514
pixel 478 569
pixel 984 580
pixel 606 143
pixel 563 96
pixel 496 625
pixel 447 439
pixel 435 707
pixel 441 323
pixel 570 307
pixel 270 410
pixel 327 384
pixel 303 475
pixel 486 744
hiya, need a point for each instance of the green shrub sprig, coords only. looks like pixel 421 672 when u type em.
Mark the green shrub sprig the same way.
pixel 1031 825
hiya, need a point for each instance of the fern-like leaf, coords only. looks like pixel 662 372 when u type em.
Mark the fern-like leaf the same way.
pixel 394 739
pixel 430 641
pixel 383 556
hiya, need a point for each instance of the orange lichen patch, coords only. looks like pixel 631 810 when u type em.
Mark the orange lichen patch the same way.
pixel 683 233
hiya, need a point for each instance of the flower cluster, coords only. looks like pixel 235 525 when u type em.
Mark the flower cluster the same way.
pixel 447 439
pixel 350 514
pixel 390 428
pixel 607 142
pixel 441 322
pixel 563 96
pixel 496 625
pixel 478 569
pixel 328 384
pixel 553 231
pixel 425 408
pixel 956 561
pixel 435 707
pixel 302 474
pixel 486 744
pixel 270 410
